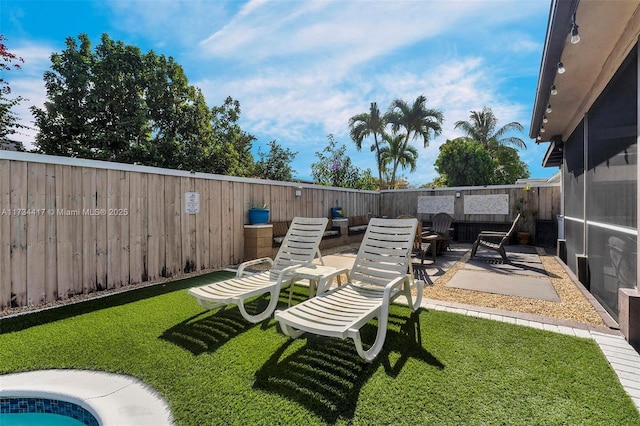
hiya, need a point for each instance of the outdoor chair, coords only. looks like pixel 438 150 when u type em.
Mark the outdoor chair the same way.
pixel 298 249
pixel 494 240
pixel 378 276
pixel 440 225
pixel 417 241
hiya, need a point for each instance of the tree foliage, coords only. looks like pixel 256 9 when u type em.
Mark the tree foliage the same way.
pixel 336 169
pixel 418 121
pixel 481 127
pixel 276 164
pixel 363 125
pixel 508 167
pixel 118 104
pixel 464 162
pixel 397 153
pixel 9 120
pixel 413 122
pixel 232 148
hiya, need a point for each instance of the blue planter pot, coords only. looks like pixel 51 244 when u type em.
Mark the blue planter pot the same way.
pixel 337 212
pixel 258 216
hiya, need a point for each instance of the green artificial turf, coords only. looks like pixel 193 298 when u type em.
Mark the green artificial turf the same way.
pixel 215 368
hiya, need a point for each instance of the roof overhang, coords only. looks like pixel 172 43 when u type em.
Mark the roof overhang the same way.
pixel 608 32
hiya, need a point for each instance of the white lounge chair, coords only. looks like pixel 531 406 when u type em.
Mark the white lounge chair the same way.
pixel 378 276
pixel 298 249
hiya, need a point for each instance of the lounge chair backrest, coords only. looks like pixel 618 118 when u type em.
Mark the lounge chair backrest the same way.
pixel 508 235
pixel 513 227
pixel 417 241
pixel 300 245
pixel 385 251
pixel 441 223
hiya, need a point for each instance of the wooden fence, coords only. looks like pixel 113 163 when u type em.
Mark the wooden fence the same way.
pixel 542 203
pixel 70 226
pixel 543 199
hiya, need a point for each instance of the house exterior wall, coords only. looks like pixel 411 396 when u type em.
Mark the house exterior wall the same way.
pixel 600 188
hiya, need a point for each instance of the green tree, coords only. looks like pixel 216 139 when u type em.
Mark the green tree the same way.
pixel 481 127
pixel 232 144
pixel 119 104
pixel 9 121
pixel 508 167
pixel 464 162
pixel 336 169
pixel 363 125
pixel 276 164
pixel 397 152
pixel 418 121
pixel 65 126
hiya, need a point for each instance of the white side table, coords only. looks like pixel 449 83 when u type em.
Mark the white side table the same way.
pixel 319 276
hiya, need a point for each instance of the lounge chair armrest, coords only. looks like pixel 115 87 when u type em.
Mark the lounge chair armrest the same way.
pixel 391 286
pixel 288 270
pixel 243 265
pixel 493 234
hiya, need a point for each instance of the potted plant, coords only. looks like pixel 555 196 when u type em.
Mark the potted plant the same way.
pixel 259 214
pixel 527 219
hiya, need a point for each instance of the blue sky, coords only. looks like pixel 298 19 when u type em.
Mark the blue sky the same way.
pixel 300 69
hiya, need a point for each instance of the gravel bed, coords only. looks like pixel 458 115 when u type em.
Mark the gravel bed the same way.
pixel 573 306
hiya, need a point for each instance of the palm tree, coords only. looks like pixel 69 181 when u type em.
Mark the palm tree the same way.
pixel 417 120
pixel 361 126
pixel 482 128
pixel 398 153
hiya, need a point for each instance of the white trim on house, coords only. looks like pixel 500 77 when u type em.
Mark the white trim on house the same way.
pixel 602 225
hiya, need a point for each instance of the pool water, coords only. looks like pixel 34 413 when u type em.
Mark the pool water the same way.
pixel 28 411
pixel 38 419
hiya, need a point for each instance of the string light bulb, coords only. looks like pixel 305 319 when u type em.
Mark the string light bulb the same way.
pixel 549 108
pixel 561 68
pixel 545 119
pixel 542 130
pixel 575 37
pixel 554 91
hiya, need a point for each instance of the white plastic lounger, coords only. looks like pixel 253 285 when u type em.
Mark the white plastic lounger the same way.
pixel 378 276
pixel 298 249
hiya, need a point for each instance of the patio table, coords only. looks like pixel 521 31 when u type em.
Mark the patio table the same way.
pixel 435 241
pixel 318 276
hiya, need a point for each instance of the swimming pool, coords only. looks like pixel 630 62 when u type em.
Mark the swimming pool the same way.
pixel 111 399
pixel 26 411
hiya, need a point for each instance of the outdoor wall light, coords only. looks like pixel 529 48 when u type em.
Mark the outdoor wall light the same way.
pixel 561 68
pixel 298 192
pixel 457 195
pixel 575 37
pixel 549 110
pixel 545 120
pixel 554 91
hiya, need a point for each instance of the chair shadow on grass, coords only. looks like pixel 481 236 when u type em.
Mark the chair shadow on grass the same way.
pixel 326 375
pixel 209 330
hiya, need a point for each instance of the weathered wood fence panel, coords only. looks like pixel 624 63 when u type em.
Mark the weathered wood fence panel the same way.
pixel 70 226
pixel 544 199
